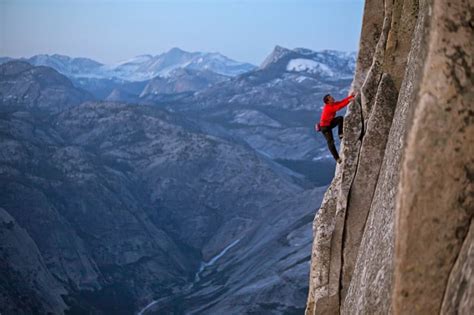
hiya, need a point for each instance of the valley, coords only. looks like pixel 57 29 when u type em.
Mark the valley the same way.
pixel 170 196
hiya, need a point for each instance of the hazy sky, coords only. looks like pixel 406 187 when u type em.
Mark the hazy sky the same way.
pixel 112 30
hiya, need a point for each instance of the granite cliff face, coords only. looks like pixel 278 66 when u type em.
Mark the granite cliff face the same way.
pixel 394 233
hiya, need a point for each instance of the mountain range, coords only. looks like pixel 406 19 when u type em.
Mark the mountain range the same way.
pixel 140 68
pixel 182 71
pixel 198 198
pixel 272 107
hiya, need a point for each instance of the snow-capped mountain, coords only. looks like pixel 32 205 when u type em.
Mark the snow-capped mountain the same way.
pixel 273 108
pixel 140 68
pixel 326 63
pixel 125 69
pixel 288 79
pixel 162 65
pixel 71 67
pixel 277 53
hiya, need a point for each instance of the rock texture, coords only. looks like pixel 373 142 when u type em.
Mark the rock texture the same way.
pixel 460 288
pixel 433 215
pixel 394 232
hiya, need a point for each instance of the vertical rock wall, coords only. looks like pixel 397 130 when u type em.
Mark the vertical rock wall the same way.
pixel 435 203
pixel 407 172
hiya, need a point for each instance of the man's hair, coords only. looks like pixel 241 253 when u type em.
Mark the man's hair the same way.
pixel 326 98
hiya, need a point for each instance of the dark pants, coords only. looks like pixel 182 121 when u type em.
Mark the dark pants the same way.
pixel 327 133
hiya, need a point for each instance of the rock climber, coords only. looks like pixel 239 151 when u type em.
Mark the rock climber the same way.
pixel 329 121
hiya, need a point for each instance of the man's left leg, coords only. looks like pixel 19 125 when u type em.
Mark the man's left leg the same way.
pixel 327 133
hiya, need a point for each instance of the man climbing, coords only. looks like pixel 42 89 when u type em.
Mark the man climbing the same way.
pixel 329 121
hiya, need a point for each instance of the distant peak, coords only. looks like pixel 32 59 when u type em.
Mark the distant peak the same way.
pixel 176 50
pixel 277 53
pixel 144 56
pixel 59 56
pixel 280 48
pixel 303 51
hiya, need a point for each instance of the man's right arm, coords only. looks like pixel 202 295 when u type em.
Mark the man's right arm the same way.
pixel 341 104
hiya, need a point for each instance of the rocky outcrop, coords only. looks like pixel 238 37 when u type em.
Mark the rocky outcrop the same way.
pixel 27 286
pixel 37 88
pixel 182 80
pixel 393 234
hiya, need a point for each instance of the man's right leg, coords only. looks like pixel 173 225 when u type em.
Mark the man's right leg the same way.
pixel 327 132
pixel 339 122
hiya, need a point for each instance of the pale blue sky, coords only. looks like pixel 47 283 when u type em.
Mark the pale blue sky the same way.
pixel 112 30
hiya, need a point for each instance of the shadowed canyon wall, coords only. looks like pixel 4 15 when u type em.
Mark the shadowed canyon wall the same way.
pixel 394 232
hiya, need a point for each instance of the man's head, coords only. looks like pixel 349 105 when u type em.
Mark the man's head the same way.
pixel 328 99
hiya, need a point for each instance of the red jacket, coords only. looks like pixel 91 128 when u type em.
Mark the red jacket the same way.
pixel 330 109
